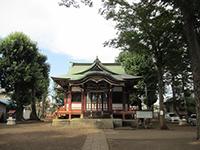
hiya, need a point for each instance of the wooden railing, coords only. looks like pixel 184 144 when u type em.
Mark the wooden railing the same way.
pixel 60 109
pixel 96 114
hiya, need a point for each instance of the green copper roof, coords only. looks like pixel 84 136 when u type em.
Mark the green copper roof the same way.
pixel 80 71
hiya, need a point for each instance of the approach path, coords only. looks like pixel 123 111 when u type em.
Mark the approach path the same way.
pixel 96 141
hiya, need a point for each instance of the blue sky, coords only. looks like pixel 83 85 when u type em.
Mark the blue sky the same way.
pixel 59 63
pixel 63 34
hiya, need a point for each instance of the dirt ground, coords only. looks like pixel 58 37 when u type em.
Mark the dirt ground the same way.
pixel 43 136
pixel 177 138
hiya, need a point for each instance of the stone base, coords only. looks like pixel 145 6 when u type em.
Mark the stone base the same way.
pixel 117 123
pixel 11 121
pixel 85 123
pixel 60 122
pixel 94 123
pixel 131 123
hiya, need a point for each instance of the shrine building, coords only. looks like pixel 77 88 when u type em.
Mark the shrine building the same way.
pixel 96 90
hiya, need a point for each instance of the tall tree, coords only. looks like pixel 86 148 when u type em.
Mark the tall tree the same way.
pixel 39 82
pixel 42 87
pixel 18 53
pixel 20 68
pixel 36 77
pixel 142 65
pixel 58 96
pixel 190 13
pixel 178 74
pixel 146 27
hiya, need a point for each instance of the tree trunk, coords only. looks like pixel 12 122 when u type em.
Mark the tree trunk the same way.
pixel 194 50
pixel 139 103
pixel 33 112
pixel 160 90
pixel 19 111
pixel 184 94
pixel 43 99
pixel 173 93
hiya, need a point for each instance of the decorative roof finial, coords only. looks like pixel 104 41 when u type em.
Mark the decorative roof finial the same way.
pixel 97 59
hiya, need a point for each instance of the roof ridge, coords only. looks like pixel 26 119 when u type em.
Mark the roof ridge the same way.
pixel 97 63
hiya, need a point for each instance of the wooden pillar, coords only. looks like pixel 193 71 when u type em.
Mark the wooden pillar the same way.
pixel 102 101
pixel 70 104
pixel 70 101
pixel 124 102
pixel 123 116
pixel 128 100
pixel 84 108
pixel 96 101
pixel 82 104
pixel 110 102
pixel 65 102
pixel 124 99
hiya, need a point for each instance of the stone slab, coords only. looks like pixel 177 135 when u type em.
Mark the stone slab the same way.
pixel 96 141
pixel 94 123
pixel 88 123
pixel 132 123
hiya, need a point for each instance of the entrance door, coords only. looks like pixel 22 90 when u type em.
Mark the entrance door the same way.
pixel 97 101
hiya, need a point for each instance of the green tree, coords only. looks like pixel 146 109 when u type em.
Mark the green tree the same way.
pixel 190 16
pixel 191 105
pixel 146 27
pixel 179 75
pixel 141 65
pixel 74 3
pixel 39 82
pixel 20 68
pixel 59 96
pixel 18 53
pixel 43 85
pixel 36 77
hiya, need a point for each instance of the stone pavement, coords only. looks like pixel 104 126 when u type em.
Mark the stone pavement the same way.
pixel 96 141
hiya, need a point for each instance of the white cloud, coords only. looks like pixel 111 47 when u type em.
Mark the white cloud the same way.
pixel 79 33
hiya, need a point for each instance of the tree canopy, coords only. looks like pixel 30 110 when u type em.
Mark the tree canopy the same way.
pixel 189 12
pixel 23 68
pixel 146 28
pixel 141 65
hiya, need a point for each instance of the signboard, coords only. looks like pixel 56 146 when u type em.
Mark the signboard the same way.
pixel 144 114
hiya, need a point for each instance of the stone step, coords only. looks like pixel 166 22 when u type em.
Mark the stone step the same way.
pixel 96 114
